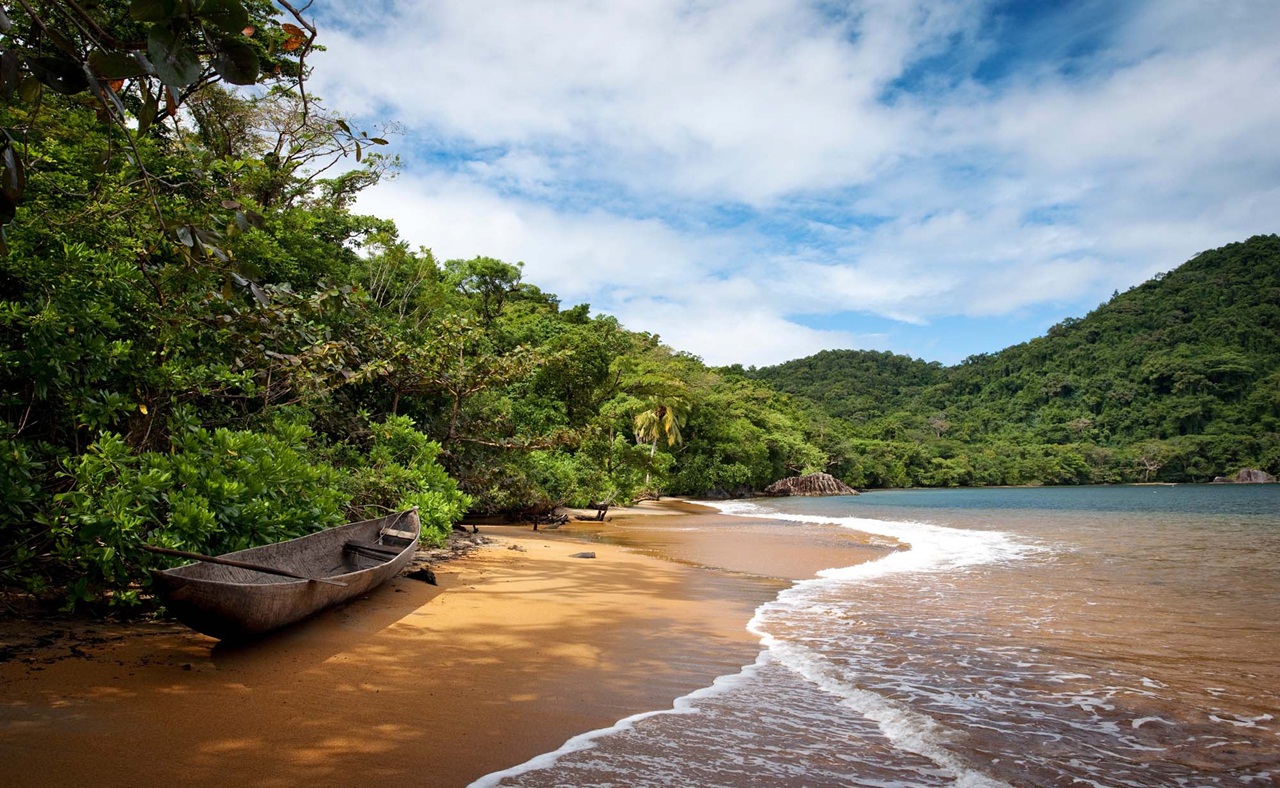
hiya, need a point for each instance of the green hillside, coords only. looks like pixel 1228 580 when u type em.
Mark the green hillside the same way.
pixel 1177 379
pixel 854 384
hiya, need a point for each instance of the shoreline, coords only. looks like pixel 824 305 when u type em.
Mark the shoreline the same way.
pixel 521 647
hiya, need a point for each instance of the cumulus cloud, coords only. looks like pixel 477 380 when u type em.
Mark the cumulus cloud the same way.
pixel 759 162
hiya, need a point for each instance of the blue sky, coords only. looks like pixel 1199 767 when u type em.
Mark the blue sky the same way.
pixel 759 180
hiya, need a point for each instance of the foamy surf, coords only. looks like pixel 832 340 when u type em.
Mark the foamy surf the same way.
pixel 1076 644
pixel 585 741
pixel 932 548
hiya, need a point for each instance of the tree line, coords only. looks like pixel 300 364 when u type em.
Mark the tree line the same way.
pixel 203 347
pixel 1176 380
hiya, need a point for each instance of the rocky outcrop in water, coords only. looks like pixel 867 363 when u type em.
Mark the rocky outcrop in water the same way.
pixel 810 484
pixel 1247 476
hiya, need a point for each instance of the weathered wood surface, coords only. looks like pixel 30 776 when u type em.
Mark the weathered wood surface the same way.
pixel 213 559
pixel 234 603
pixel 601 510
pixel 810 484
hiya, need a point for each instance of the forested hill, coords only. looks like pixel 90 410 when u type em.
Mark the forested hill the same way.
pixel 854 384
pixel 1180 375
pixel 1195 351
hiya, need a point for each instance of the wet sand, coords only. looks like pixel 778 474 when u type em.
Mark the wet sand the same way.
pixel 521 647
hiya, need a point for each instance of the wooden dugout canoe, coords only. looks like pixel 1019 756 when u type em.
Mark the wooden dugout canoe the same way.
pixel 233 603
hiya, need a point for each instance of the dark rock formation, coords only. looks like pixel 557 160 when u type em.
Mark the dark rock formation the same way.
pixel 811 484
pixel 1252 476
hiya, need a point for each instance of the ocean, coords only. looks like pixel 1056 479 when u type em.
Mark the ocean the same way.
pixel 1095 636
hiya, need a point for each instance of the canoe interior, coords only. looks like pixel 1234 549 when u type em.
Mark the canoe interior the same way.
pixel 233 603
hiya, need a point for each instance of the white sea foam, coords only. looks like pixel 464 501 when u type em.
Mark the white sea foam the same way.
pixel 932 549
pixel 586 741
pixel 907 729
pixel 1144 720
pixel 1249 722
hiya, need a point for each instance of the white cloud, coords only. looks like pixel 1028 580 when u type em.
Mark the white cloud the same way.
pixel 742 157
pixel 749 99
pixel 646 274
pixel 723 334
pixel 573 255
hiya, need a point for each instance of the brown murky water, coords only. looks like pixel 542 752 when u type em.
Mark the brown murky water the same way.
pixel 1119 636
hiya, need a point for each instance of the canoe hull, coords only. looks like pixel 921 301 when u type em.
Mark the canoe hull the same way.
pixel 230 603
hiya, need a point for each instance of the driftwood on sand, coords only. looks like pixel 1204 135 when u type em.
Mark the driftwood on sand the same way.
pixel 810 484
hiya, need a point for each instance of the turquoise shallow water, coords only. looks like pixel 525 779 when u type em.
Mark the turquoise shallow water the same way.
pixel 1125 636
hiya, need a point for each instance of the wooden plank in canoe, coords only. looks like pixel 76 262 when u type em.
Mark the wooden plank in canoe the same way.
pixel 395 533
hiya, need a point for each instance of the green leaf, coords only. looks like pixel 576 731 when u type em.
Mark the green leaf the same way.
pixel 176 64
pixel 14 178
pixel 150 106
pixel 237 63
pixel 248 271
pixel 64 76
pixel 229 16
pixel 378 141
pixel 29 89
pixel 61 42
pixel 246 219
pixel 152 10
pixel 116 64
pixel 9 73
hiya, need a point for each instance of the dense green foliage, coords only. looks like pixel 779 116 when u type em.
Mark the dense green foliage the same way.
pixel 202 347
pixel 1177 379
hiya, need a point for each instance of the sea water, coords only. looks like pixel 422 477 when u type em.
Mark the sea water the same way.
pixel 1097 636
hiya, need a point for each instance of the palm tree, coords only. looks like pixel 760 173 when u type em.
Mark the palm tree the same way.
pixel 661 422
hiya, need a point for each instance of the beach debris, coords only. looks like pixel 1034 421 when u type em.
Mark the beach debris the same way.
pixel 809 484
pixel 583 555
pixel 550 522
pixel 424 574
pixel 518 548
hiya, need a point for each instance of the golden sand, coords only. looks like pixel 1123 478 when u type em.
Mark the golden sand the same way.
pixel 521 647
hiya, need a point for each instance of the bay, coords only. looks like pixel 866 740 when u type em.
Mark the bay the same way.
pixel 1109 636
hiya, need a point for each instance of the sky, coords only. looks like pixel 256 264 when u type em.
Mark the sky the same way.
pixel 758 180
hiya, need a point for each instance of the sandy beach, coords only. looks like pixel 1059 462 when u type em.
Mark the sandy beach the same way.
pixel 520 647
